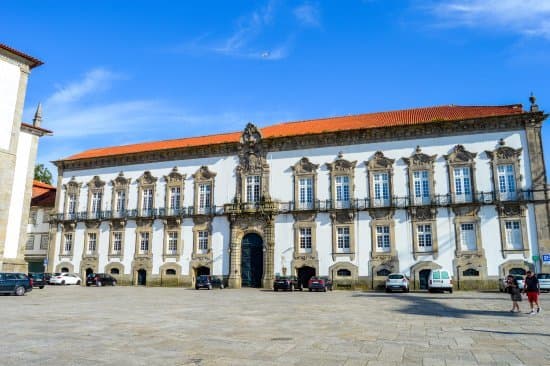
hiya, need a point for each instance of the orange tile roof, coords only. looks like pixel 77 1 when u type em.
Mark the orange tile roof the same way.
pixel 42 194
pixel 333 124
pixel 33 62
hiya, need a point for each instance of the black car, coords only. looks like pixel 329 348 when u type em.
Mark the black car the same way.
pixel 38 279
pixel 100 279
pixel 209 282
pixel 320 283
pixel 15 283
pixel 289 283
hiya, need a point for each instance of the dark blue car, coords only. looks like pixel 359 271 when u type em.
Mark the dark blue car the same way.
pixel 15 283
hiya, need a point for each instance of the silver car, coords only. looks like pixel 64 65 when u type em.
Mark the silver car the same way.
pixel 397 281
pixel 544 281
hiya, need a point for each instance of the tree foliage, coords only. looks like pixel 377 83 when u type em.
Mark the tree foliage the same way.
pixel 42 174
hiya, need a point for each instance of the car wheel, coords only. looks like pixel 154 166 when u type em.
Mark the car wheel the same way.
pixel 388 290
pixel 275 289
pixel 451 291
pixel 196 287
pixel 407 289
pixel 221 286
pixel 324 289
pixel 210 287
pixel 99 284
pixel 310 290
pixel 63 282
pixel 114 283
pixel 78 283
pixel 41 287
pixel 19 291
pixel 291 288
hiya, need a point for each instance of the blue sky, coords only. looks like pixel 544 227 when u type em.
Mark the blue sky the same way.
pixel 131 71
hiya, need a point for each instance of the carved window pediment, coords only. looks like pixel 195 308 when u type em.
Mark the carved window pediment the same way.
pixel 423 213
pixel 146 179
pixel 204 174
pixel 304 166
pixel 504 154
pixel 72 186
pixel 380 162
pixel 96 183
pixel 121 181
pixel 419 160
pixel 174 176
pixel 341 165
pixel 459 155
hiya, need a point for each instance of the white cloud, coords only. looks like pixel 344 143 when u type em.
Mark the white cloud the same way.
pixel 526 17
pixel 94 80
pixel 308 15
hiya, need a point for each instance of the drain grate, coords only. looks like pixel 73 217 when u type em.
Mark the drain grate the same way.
pixel 280 339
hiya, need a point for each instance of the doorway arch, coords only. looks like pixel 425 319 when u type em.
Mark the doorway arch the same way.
pixel 252 260
pixel 304 274
pixel 142 277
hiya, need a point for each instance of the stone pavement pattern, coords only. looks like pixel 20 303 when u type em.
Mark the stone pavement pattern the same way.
pixel 174 326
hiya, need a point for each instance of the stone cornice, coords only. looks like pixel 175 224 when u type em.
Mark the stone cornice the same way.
pixel 340 138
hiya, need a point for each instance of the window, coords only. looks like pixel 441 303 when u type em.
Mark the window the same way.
pixel 120 205
pixel 175 198
pixel 305 240
pixel 96 203
pixel 424 233
pixel 463 185
pixel 44 240
pixel 513 235
pixel 342 191
pixel 170 272
pixel 381 189
pixel 305 191
pixel 383 272
pixel 202 242
pixel 343 239
pixel 172 247
pixel 115 271
pixel 468 237
pixel 68 245
pixel 45 217
pixel 147 201
pixel 92 243
pixel 30 243
pixel 343 273
pixel 117 242
pixel 204 196
pixel 383 239
pixel 71 206
pixel 421 185
pixel 32 218
pixel 143 243
pixel 253 188
pixel 470 272
pixel 506 182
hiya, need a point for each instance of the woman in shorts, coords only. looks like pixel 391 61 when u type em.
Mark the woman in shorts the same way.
pixel 515 293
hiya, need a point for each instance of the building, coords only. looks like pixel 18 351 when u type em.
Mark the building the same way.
pixel 18 146
pixel 356 197
pixel 38 230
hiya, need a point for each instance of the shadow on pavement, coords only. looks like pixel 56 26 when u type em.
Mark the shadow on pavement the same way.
pixel 502 332
pixel 418 305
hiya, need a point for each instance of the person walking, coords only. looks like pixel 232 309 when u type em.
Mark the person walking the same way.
pixel 532 289
pixel 515 293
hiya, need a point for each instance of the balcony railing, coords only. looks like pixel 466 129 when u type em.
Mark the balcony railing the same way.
pixel 443 200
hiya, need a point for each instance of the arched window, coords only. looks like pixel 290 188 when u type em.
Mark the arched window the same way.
pixel 517 271
pixel 343 273
pixel 115 271
pixel 470 272
pixel 383 272
pixel 64 270
pixel 170 272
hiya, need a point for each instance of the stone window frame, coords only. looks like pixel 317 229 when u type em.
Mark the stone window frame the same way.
pixel 203 176
pixel 206 225
pixel 304 225
pixel 118 227
pixel 505 155
pixel 146 226
pixel 424 216
pixel 342 167
pixel 42 241
pixel 374 222
pixel 379 163
pixel 168 228
pixel 419 162
pixel 343 219
pixel 458 221
pixel 30 240
pixel 62 252
pixel 348 266
pixel 91 228
pixel 146 181
pixel 120 183
pixel 461 158
pixel 95 185
pixel 33 216
pixel 174 180
pixel 304 169
pixel 513 212
pixel 71 187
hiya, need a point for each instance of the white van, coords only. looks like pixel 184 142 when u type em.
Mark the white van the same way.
pixel 440 279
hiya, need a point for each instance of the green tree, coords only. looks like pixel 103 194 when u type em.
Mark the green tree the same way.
pixel 42 174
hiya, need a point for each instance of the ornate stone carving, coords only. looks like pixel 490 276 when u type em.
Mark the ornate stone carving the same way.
pixel 95 183
pixel 121 181
pixel 146 179
pixel 381 213
pixel 419 160
pixel 459 155
pixel 204 174
pixel 466 211
pixel 510 210
pixel 341 166
pixel 423 213
pixel 174 176
pixel 379 162
pixel 304 167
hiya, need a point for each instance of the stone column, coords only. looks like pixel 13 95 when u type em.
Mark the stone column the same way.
pixel 235 257
pixel 269 256
pixel 539 185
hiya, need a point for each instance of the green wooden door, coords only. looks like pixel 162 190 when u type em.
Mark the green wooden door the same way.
pixel 252 261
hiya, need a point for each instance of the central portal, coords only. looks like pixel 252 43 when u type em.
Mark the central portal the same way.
pixel 252 260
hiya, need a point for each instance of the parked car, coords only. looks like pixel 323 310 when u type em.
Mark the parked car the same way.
pixel 209 282
pixel 320 284
pixel 397 281
pixel 15 283
pixel 440 280
pixel 290 283
pixel 503 285
pixel 65 279
pixel 100 279
pixel 38 279
pixel 544 281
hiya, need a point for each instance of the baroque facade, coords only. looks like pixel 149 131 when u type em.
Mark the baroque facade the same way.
pixel 355 198
pixel 18 147
pixel 38 230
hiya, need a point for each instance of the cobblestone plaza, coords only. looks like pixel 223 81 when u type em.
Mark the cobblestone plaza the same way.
pixel 174 326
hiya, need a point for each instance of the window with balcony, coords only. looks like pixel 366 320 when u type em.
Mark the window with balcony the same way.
pixel 174 192
pixel 461 170
pixel 462 185
pixel 96 204
pixel 506 182
pixel 342 191
pixel 381 184
pixel 305 175
pixel 305 240
pixel 420 167
pixel 146 194
pixel 253 188
pixel 383 242
pixel 204 190
pixel 505 163
pixel 120 203
pixel 175 197
pixel 305 193
pixel 147 201
pixel 205 197
pixel 421 185
pixel 119 196
pixel 71 205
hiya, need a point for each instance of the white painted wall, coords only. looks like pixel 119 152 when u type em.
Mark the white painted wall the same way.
pixel 9 85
